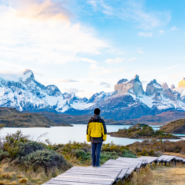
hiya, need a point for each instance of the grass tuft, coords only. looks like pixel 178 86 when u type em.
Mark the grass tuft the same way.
pixel 23 180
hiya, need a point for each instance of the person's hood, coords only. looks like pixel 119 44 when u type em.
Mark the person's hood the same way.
pixel 95 117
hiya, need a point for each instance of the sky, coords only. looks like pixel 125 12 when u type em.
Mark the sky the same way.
pixel 87 46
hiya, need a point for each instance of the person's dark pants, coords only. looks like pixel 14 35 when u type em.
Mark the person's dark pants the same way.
pixel 95 154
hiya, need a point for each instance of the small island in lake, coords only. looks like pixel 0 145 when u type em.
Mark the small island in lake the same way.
pixel 142 131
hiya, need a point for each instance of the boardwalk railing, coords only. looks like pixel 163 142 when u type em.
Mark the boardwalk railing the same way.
pixel 110 172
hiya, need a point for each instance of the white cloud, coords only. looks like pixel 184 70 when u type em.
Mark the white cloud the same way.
pixel 114 61
pixel 174 28
pixel 139 51
pixel 41 31
pixel 64 80
pixel 72 90
pixel 131 59
pixel 93 67
pixel 143 34
pixel 105 84
pixel 161 32
pixel 89 60
pixel 103 71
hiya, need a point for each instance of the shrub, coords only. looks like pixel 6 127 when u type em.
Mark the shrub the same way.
pixel 23 181
pixel 105 156
pixel 3 155
pixel 43 158
pixel 29 147
pixel 128 153
pixel 82 155
pixel 12 141
pixel 2 183
pixel 6 175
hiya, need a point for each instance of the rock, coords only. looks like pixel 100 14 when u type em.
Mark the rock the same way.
pixel 182 83
pixel 133 86
pixel 168 93
pixel 172 86
pixel 165 85
pixel 153 87
pixel 157 97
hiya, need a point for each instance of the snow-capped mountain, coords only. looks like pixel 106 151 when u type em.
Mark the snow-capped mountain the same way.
pixel 24 93
pixel 128 100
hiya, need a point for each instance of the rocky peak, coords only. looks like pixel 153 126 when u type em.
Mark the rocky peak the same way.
pixel 153 87
pixel 133 86
pixel 122 81
pixel 182 83
pixel 53 90
pixel 172 86
pixel 28 73
pixel 165 85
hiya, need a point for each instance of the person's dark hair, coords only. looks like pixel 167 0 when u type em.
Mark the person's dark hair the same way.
pixel 97 111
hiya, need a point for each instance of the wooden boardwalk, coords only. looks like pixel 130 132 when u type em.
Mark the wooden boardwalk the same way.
pixel 110 172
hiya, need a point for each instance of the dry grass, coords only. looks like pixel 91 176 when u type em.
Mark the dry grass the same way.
pixel 23 180
pixel 158 175
pixel 175 154
pixel 169 176
pixel 12 174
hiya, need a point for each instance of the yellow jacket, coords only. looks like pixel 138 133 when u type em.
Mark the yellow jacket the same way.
pixel 96 130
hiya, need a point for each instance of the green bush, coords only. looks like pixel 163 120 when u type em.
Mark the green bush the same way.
pixel 44 158
pixel 29 147
pixel 12 141
pixel 105 156
pixel 128 153
pixel 3 155
pixel 81 154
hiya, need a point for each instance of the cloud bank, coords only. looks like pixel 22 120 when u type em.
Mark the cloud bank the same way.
pixel 42 31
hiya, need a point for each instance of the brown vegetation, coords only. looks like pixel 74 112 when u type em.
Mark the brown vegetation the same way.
pixel 177 127
pixel 10 117
pixel 157 147
pixel 142 131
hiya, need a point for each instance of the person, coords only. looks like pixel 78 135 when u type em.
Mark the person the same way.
pixel 96 134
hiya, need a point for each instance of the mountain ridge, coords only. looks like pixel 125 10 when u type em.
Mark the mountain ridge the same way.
pixel 128 101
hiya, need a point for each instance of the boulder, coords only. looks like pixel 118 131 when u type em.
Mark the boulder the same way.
pixel 133 86
pixel 153 87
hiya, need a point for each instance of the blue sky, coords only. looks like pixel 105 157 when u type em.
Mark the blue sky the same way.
pixel 86 46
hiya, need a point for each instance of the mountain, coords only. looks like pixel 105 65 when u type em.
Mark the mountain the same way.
pixel 77 119
pixel 10 117
pixel 128 101
pixel 181 89
pixel 24 93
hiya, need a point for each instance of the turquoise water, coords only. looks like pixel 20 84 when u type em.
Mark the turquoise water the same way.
pixel 76 133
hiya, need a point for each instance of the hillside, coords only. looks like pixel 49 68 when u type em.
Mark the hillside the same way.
pixel 8 111
pixel 142 131
pixel 75 119
pixel 163 118
pixel 10 117
pixel 177 127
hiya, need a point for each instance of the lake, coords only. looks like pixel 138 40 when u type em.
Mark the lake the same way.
pixel 62 135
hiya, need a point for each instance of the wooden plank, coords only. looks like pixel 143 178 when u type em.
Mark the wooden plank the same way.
pixel 90 169
pixel 68 183
pixel 87 176
pixel 58 180
pixel 111 173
